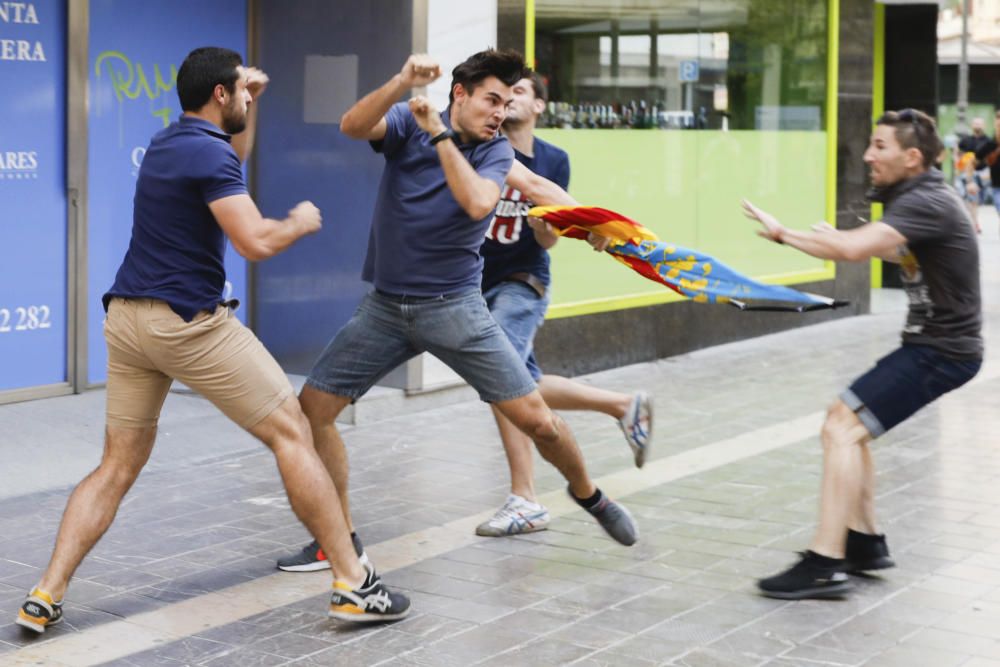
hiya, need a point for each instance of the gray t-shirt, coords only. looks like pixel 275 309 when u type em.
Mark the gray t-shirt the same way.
pixel 941 270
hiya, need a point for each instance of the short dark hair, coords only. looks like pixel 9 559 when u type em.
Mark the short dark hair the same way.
pixel 506 65
pixel 539 86
pixel 203 70
pixel 915 129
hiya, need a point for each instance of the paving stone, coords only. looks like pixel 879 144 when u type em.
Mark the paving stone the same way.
pixel 683 596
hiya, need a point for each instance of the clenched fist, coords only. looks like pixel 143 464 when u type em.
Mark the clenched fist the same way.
pixel 419 70
pixel 427 117
pixel 307 216
pixel 257 82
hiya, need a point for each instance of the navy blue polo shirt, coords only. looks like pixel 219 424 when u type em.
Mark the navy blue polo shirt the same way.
pixel 422 242
pixel 177 247
pixel 510 246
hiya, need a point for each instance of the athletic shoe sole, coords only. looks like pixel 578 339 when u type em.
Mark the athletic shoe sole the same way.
pixel 366 617
pixel 34 627
pixel 314 566
pixel 881 563
pixel 482 532
pixel 816 593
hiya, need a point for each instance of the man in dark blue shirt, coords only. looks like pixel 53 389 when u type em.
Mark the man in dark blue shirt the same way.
pixel 440 186
pixel 167 320
pixel 516 288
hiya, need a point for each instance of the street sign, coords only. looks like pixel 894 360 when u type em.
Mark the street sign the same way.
pixel 688 70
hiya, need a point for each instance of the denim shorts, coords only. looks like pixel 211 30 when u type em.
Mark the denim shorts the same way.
pixel 387 330
pixel 903 382
pixel 520 311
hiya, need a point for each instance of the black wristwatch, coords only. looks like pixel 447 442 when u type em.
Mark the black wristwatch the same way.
pixel 447 134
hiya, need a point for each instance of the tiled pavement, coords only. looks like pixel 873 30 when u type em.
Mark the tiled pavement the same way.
pixel 730 494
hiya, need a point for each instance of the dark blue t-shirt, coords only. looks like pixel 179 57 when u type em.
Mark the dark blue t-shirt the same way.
pixel 422 242
pixel 510 246
pixel 177 247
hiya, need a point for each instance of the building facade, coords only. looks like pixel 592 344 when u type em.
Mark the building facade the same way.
pixel 671 110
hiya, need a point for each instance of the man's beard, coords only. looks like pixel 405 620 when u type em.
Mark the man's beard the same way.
pixel 511 122
pixel 233 122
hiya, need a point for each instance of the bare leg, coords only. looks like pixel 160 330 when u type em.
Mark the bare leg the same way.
pixel 517 445
pixel 94 503
pixel 863 516
pixel 844 440
pixel 553 438
pixel 310 488
pixel 322 409
pixel 564 394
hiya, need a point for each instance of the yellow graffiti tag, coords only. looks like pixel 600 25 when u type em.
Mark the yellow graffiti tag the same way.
pixel 131 82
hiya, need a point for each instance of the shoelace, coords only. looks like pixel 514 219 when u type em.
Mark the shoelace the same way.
pixel 509 511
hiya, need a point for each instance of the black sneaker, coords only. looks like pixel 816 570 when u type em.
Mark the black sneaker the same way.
pixel 39 611
pixel 614 519
pixel 312 558
pixel 373 602
pixel 867 552
pixel 814 576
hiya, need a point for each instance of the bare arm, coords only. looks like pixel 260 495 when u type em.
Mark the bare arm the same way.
pixel 537 188
pixel 256 237
pixel 256 85
pixel 875 239
pixel 544 192
pixel 366 119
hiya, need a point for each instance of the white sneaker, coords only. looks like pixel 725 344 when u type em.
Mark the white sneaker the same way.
pixel 637 425
pixel 518 515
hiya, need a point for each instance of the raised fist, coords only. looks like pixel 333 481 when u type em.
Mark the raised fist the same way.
pixel 307 215
pixel 419 70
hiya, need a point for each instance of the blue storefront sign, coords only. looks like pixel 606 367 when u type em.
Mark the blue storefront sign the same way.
pixel 32 194
pixel 136 49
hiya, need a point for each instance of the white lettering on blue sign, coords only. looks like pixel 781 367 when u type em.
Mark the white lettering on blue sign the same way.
pixel 18 12
pixel 21 49
pixel 18 165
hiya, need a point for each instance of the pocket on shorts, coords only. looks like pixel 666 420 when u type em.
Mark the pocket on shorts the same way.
pixel 173 325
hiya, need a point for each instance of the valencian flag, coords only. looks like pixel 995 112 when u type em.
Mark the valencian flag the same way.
pixel 697 276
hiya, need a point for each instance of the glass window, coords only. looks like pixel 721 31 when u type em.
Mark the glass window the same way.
pixel 683 64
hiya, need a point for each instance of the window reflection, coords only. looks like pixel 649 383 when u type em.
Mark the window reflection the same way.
pixel 683 64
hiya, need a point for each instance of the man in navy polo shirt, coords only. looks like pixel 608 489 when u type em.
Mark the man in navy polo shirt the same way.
pixel 515 285
pixel 440 186
pixel 167 320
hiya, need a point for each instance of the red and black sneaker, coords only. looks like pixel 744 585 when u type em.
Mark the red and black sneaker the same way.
pixel 312 558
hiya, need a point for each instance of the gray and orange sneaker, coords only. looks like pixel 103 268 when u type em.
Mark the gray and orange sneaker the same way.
pixel 39 611
pixel 372 603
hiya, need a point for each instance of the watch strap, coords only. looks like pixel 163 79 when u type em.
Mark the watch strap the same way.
pixel 447 134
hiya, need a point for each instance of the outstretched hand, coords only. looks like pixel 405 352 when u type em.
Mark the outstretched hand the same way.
pixel 419 70
pixel 771 229
pixel 426 115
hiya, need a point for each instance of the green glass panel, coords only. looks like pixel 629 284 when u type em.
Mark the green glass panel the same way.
pixel 686 187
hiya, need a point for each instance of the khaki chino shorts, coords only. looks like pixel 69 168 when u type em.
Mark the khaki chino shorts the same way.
pixel 149 346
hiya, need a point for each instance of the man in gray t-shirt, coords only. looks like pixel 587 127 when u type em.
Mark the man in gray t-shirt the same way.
pixel 927 231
